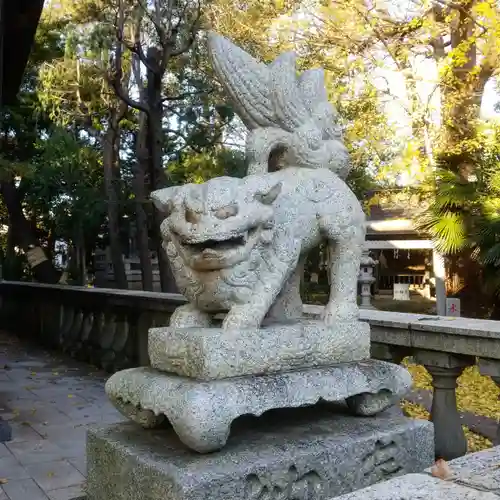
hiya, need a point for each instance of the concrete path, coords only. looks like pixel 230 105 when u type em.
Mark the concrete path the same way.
pixel 49 401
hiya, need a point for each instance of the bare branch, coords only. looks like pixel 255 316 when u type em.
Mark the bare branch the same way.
pixel 136 46
pixel 195 26
pixel 155 19
pixel 114 77
pixel 463 10
pixel 169 41
pixel 185 95
pixel 123 95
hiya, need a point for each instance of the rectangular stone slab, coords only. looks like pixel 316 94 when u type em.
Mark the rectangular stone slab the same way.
pixel 418 487
pixel 479 470
pixel 315 455
pixel 214 353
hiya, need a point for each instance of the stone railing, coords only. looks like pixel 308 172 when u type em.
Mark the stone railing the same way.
pixel 445 346
pixel 105 327
pixel 108 328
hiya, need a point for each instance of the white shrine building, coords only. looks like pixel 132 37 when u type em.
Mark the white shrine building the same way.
pixel 403 255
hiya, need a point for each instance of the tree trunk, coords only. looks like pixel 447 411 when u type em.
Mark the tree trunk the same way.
pixel 24 237
pixel 465 281
pixel 12 268
pixel 83 264
pixel 80 267
pixel 111 179
pixel 462 88
pixel 158 178
pixel 141 219
pixel 51 244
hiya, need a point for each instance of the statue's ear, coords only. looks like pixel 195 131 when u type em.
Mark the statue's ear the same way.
pixel 163 200
pixel 269 197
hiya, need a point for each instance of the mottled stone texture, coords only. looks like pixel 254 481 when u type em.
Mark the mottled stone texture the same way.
pixel 239 245
pixel 479 470
pixel 201 413
pixel 475 476
pixel 214 353
pixel 418 487
pixel 274 457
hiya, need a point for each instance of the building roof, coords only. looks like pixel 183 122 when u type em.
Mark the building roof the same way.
pixel 394 204
pixel 18 24
pixel 392 212
pixel 381 212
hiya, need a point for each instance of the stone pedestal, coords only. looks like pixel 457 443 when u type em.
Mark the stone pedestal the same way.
pixel 201 412
pixel 202 379
pixel 215 353
pixel 304 454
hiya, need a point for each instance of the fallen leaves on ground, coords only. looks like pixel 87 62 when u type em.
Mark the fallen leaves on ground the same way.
pixel 475 442
pixel 478 394
pixel 421 377
pixel 475 392
pixel 414 410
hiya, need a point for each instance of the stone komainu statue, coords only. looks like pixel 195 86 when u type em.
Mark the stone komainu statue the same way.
pixel 239 245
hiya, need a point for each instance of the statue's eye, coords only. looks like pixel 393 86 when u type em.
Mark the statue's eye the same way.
pixel 226 212
pixel 191 216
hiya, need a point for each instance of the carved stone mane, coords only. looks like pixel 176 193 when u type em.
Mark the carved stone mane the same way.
pixel 282 111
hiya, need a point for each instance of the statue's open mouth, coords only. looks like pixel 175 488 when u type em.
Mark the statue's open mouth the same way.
pixel 217 245
pixel 219 252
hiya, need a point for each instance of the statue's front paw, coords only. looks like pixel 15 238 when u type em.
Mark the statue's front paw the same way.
pixel 342 312
pixel 240 317
pixel 188 316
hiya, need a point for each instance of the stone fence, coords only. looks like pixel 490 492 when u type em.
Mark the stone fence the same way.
pixel 108 328
pixel 105 327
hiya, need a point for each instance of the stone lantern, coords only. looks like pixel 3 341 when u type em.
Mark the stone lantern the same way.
pixel 366 278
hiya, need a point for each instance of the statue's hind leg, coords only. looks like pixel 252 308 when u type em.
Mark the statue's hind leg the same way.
pixel 345 248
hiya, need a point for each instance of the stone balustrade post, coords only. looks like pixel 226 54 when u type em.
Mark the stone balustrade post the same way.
pixel 449 437
pixel 491 368
pixel 388 353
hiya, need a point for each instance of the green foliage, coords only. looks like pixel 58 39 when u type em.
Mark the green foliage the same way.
pixel 52 141
pixel 465 215
pixel 265 29
pixel 450 200
pixel 65 186
pixel 198 168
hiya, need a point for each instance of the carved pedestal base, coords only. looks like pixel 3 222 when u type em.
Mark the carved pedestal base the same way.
pixel 306 454
pixel 201 413
pixel 214 353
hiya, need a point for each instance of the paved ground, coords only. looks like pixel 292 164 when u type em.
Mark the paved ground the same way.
pixel 50 401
